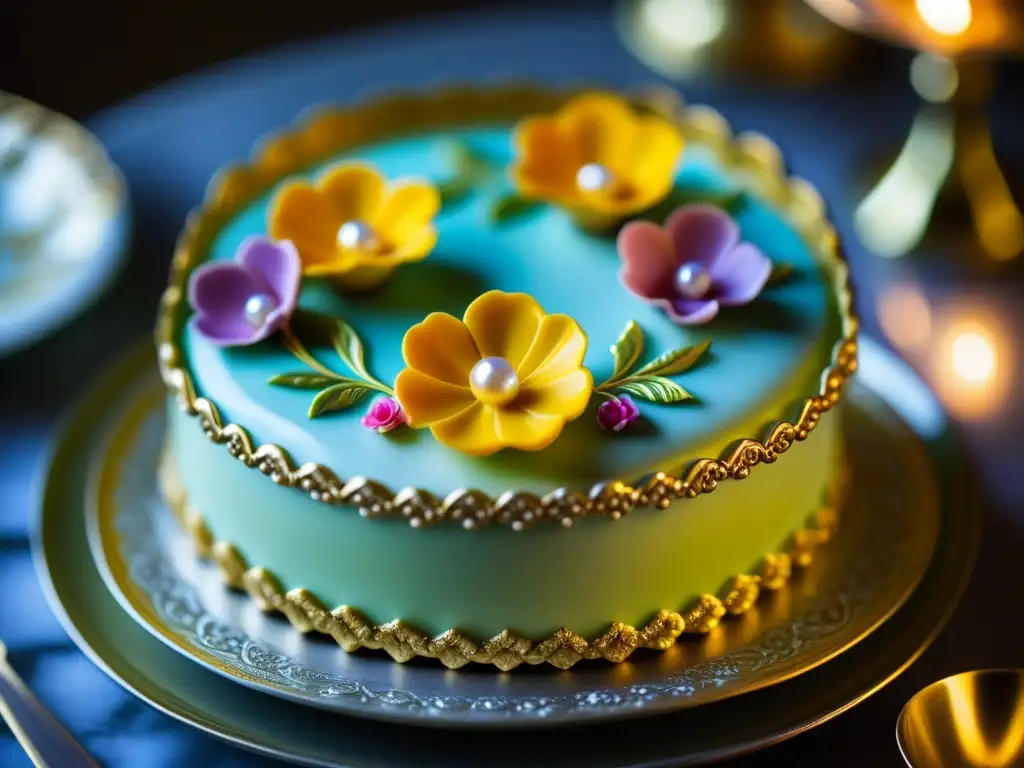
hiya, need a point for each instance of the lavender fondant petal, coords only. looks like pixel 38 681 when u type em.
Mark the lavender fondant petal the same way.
pixel 687 312
pixel 227 331
pixel 701 233
pixel 222 288
pixel 740 275
pixel 218 293
pixel 278 265
pixel 647 265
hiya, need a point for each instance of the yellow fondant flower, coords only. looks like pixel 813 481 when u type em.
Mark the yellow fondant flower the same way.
pixel 597 157
pixel 506 376
pixel 355 227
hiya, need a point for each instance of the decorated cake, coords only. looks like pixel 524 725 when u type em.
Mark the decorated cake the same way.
pixel 507 375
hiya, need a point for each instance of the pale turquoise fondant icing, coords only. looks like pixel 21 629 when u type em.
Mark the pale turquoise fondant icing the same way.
pixel 482 582
pixel 757 350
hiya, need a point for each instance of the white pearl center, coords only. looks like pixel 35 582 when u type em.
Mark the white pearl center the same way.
pixel 258 309
pixel 692 281
pixel 493 381
pixel 357 235
pixel 593 177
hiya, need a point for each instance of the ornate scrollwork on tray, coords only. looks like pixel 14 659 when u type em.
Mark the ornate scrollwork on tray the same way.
pixel 330 132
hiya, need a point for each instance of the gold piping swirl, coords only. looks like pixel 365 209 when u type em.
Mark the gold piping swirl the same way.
pixel 329 132
pixel 508 649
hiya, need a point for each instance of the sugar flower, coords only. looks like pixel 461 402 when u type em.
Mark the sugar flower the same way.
pixel 244 301
pixel 505 376
pixel 384 415
pixel 692 266
pixel 597 157
pixel 618 413
pixel 354 226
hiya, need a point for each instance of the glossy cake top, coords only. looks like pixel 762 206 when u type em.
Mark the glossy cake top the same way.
pixel 514 300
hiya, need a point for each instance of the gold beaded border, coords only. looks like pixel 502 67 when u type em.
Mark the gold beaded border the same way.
pixel 328 132
pixel 508 649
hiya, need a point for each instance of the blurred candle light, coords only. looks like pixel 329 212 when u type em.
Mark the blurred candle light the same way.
pixel 971 372
pixel 947 17
pixel 973 357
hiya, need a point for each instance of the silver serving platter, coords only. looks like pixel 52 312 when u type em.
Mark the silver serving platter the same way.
pixel 858 581
pixel 272 726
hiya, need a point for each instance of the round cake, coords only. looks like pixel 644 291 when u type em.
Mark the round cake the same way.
pixel 507 375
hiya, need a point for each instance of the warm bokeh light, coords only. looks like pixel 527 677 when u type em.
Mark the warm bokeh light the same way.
pixel 683 25
pixel 973 364
pixel 974 359
pixel 904 315
pixel 947 17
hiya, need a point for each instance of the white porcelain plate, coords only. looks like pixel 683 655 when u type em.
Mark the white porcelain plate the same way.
pixel 63 221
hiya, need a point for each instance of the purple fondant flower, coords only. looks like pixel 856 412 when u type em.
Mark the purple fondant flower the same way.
pixel 244 301
pixel 693 265
pixel 384 415
pixel 616 414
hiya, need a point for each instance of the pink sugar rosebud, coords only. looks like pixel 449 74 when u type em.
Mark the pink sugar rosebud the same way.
pixel 618 413
pixel 383 415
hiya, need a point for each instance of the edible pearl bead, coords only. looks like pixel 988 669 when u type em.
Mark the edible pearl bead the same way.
pixel 692 281
pixel 258 308
pixel 593 177
pixel 357 234
pixel 493 381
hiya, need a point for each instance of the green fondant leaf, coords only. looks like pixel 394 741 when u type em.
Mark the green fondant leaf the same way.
pixel 301 380
pixel 511 205
pixel 339 334
pixel 469 169
pixel 735 202
pixel 468 163
pixel 674 362
pixel 731 202
pixel 454 190
pixel 349 347
pixel 627 349
pixel 781 272
pixel 655 389
pixel 337 398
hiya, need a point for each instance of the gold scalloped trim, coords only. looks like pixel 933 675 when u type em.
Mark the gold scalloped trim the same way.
pixel 329 132
pixel 507 650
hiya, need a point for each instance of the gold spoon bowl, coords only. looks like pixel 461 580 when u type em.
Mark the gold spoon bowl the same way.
pixel 971 719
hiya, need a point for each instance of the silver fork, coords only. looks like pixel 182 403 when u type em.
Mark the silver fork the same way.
pixel 47 742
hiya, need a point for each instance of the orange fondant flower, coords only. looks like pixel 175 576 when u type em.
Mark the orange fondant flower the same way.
pixel 506 376
pixel 597 157
pixel 355 227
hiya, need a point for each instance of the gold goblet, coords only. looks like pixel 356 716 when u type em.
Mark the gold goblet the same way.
pixel 947 173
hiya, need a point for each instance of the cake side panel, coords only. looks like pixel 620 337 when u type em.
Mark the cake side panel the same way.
pixel 483 582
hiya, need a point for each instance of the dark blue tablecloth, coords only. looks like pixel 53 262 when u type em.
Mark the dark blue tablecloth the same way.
pixel 169 143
